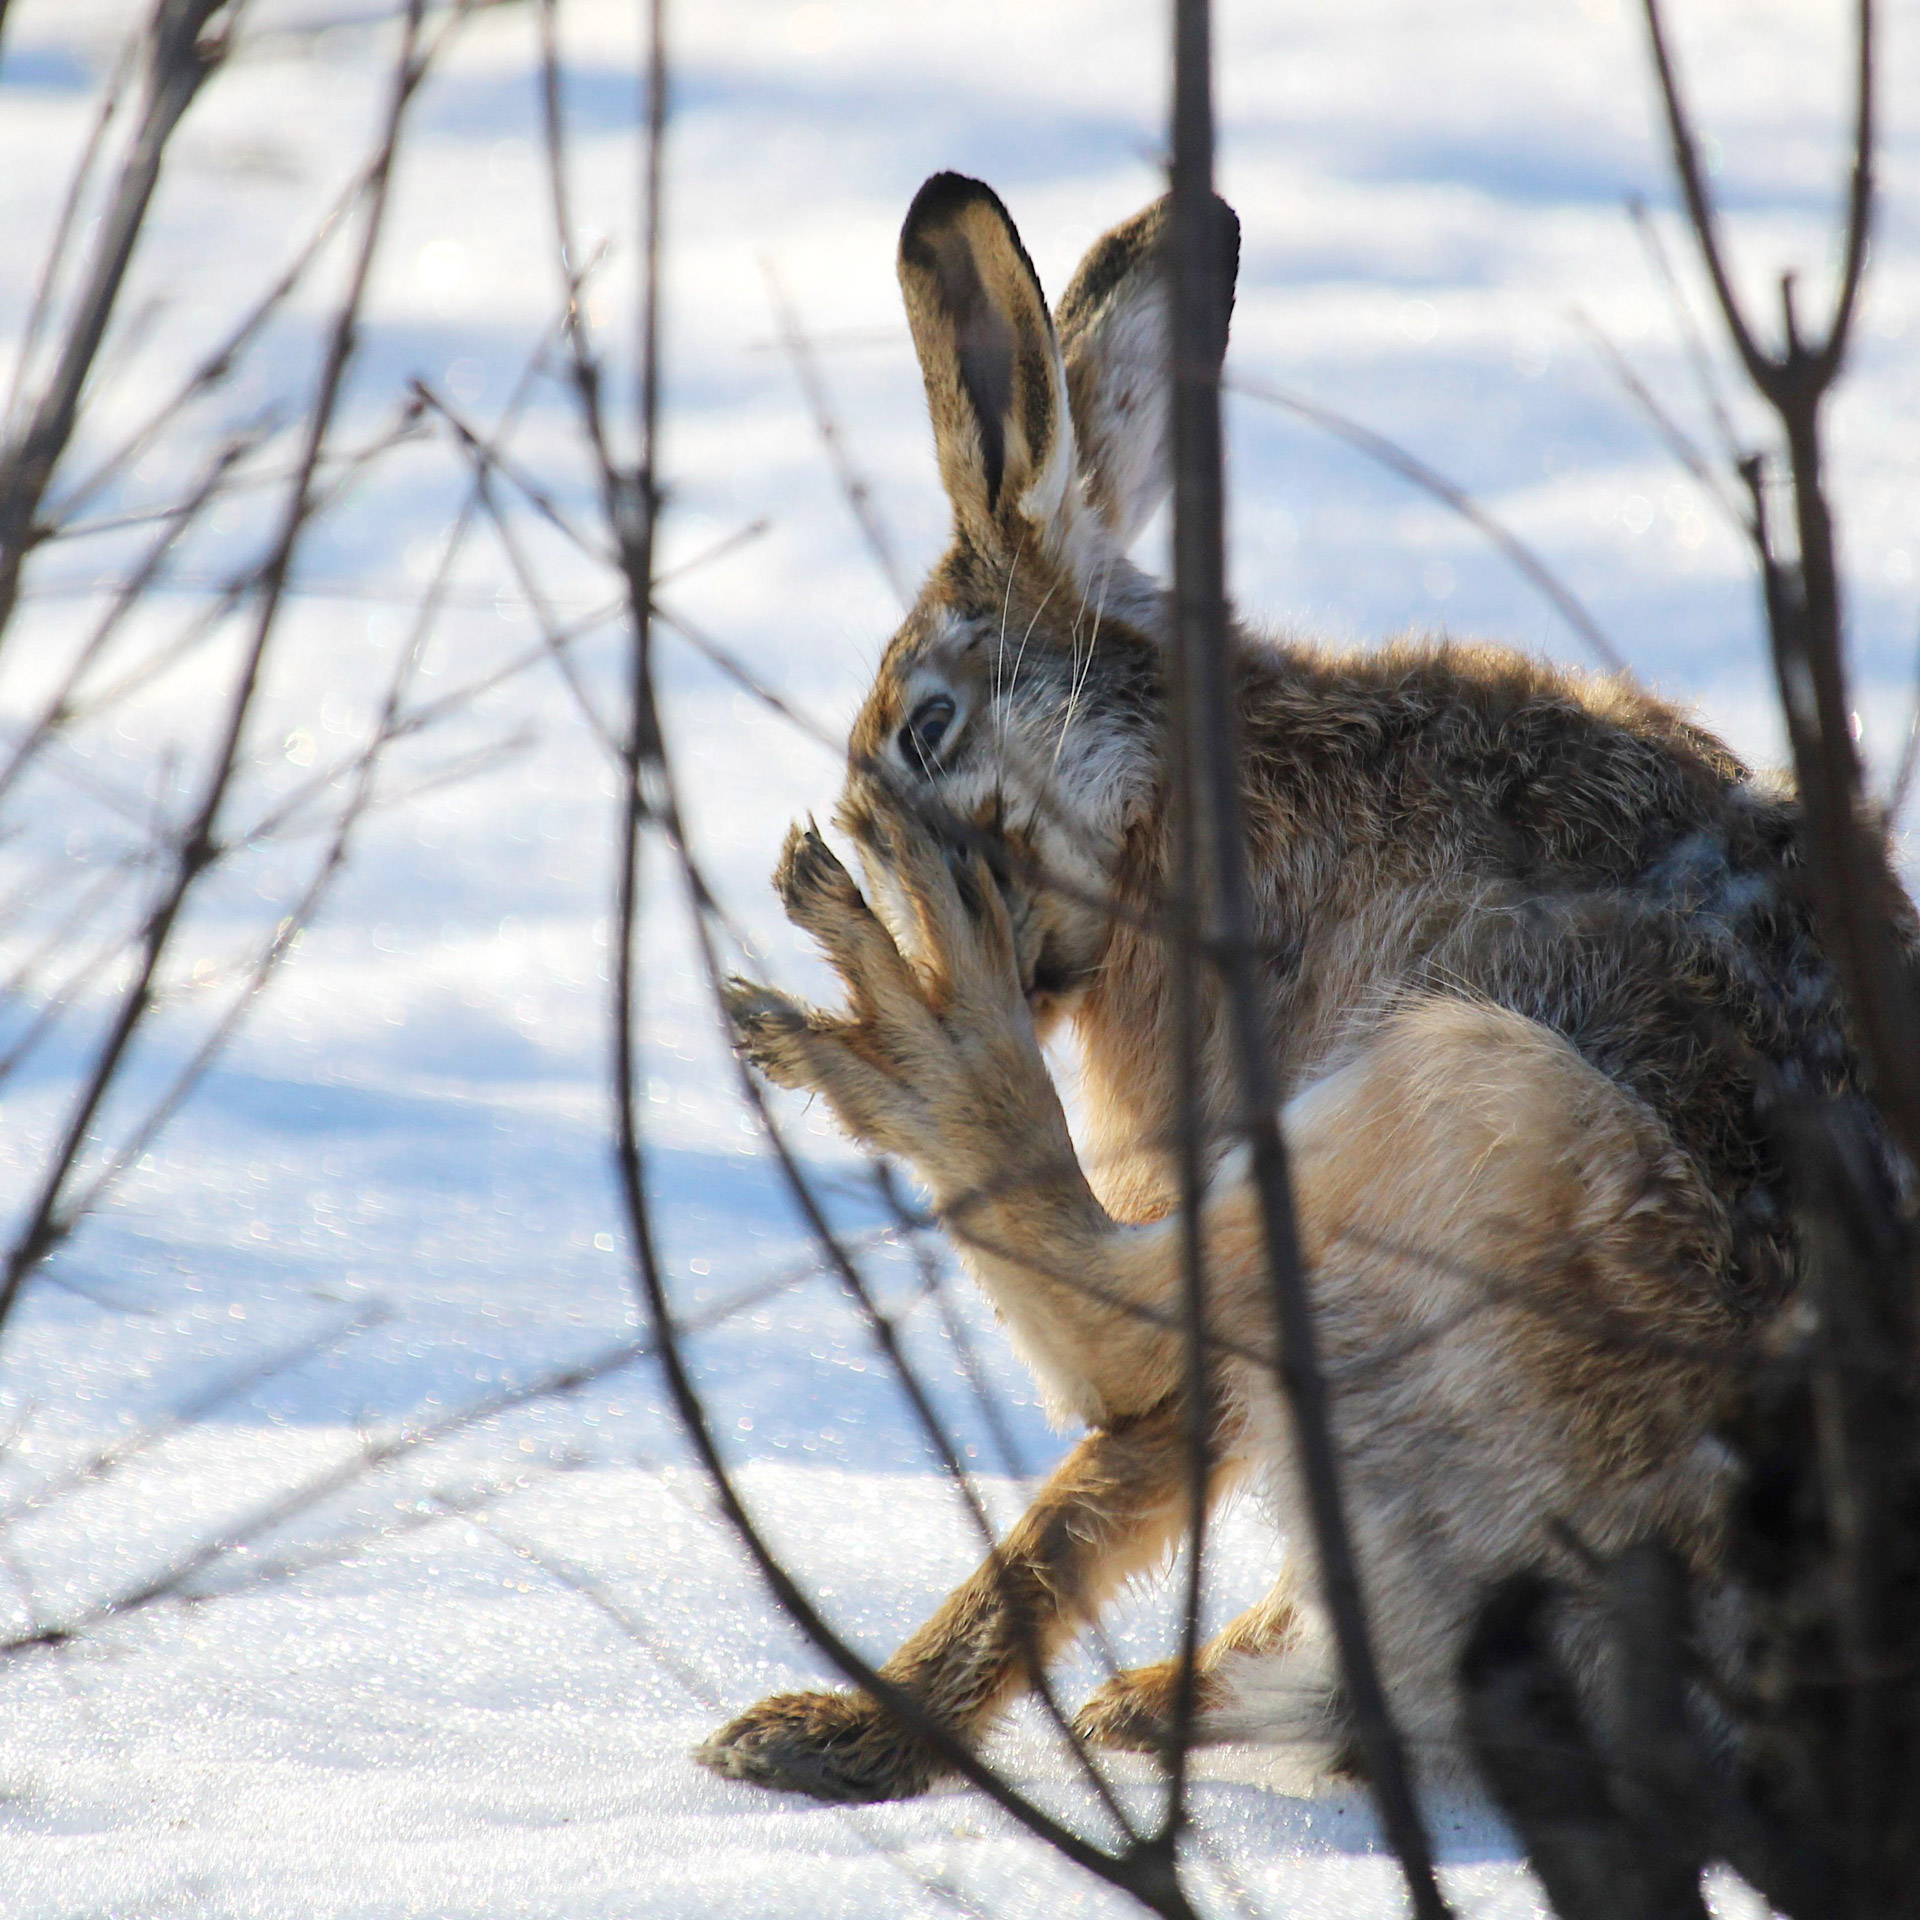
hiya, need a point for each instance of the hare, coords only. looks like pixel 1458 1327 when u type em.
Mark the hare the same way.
pixel 1533 946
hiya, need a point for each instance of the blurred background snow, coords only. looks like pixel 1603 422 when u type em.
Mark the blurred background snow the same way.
pixel 485 1709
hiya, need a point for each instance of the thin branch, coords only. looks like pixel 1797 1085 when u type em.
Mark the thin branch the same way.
pixel 217 365
pixel 43 1228
pixel 1196 340
pixel 387 729
pixel 179 62
pixel 495 457
pixel 1686 164
pixel 1859 199
pixel 1409 467
pixel 853 486
pixel 58 705
pixel 227 596
pixel 1211 752
pixel 1675 438
pixel 195 1408
pixel 632 509
pixel 630 1625
pixel 551 633
pixel 56 1004
pixel 337 467
pixel 63 226
pixel 1682 308
pixel 171 1581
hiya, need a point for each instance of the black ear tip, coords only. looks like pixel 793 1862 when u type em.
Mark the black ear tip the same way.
pixel 942 198
pixel 944 194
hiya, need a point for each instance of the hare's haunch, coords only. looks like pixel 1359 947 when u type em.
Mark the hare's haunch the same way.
pixel 1534 948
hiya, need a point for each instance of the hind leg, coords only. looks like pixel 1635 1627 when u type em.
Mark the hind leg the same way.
pixel 1109 1511
pixel 936 1061
pixel 1135 1710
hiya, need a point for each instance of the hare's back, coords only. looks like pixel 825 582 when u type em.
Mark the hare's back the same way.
pixel 1595 862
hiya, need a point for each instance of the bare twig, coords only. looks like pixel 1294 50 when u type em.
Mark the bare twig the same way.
pixel 389 726
pixel 1705 378
pixel 631 504
pixel 646 772
pixel 627 1622
pixel 66 708
pixel 1672 435
pixel 57 707
pixel 1854 890
pixel 1378 447
pixel 853 486
pixel 45 1224
pixel 174 1580
pixel 1210 752
pixel 62 237
pixel 218 364
pixel 180 57
pixel 338 470
pixel 195 1408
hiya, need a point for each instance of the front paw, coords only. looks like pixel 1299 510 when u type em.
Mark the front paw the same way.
pixel 770 1031
pixel 834 1746
pixel 935 1060
pixel 801 1048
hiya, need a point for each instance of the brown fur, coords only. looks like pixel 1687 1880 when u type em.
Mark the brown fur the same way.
pixel 1107 1513
pixel 1532 940
pixel 1137 1709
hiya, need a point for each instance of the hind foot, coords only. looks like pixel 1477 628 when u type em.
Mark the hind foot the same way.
pixel 1134 1712
pixel 834 1746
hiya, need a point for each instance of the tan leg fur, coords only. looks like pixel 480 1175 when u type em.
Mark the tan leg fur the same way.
pixel 1504 1248
pixel 1135 1710
pixel 1111 1509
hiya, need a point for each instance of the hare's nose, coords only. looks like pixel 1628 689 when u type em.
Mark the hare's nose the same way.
pixel 920 738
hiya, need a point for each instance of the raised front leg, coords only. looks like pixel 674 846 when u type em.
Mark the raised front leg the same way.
pixel 936 1061
pixel 1109 1511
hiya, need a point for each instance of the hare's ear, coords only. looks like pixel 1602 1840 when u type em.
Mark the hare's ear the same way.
pixel 995 384
pixel 1113 322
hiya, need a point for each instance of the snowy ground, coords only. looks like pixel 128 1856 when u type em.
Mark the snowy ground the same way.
pixel 485 1708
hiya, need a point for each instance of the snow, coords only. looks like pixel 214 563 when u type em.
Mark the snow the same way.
pixel 468 1684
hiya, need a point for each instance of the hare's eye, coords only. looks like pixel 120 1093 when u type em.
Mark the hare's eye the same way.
pixel 920 738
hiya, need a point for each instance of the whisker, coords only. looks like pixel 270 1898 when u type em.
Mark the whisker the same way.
pixel 999 664
pixel 1014 684
pixel 1083 674
pixel 1073 661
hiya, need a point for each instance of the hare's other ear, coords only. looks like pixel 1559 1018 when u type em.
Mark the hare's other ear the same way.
pixel 995 384
pixel 1113 325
